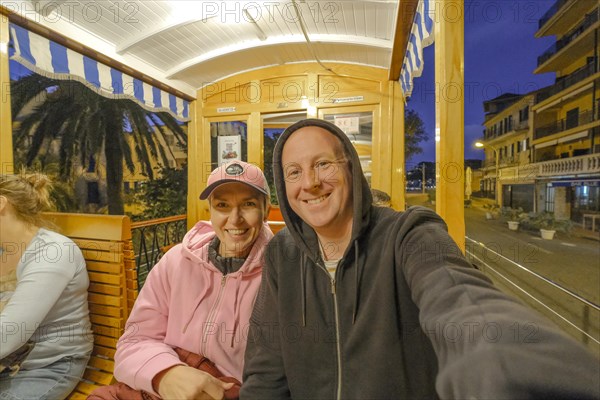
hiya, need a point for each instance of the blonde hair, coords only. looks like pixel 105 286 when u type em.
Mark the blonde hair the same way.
pixel 28 194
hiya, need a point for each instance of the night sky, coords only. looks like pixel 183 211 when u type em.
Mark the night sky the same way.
pixel 500 56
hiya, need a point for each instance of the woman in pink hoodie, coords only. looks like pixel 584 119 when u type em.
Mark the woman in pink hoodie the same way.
pixel 200 295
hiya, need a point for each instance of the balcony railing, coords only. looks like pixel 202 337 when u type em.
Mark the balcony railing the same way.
pixel 568 81
pixel 589 19
pixel 551 12
pixel 152 238
pixel 588 164
pixel 584 117
pixel 522 125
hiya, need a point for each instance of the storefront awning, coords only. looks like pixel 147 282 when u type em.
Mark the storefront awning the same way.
pixel 575 182
pixel 54 60
pixel 421 36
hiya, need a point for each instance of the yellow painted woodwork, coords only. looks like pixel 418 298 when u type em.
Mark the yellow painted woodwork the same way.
pixel 106 321
pixel 92 226
pixel 275 89
pixel 332 86
pixel 196 156
pixel 449 77
pixel 255 140
pixel 102 309
pixel 98 377
pixel 104 278
pixel 6 152
pixel 105 242
pixel 397 170
pixel 104 351
pixel 286 89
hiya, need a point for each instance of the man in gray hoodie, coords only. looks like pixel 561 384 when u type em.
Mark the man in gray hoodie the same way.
pixel 363 302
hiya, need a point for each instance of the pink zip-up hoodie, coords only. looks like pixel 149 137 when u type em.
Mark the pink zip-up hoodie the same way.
pixel 187 302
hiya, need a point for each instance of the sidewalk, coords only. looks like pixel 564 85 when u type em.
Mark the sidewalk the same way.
pixel 577 232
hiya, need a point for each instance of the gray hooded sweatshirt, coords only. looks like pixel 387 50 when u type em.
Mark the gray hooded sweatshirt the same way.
pixel 405 317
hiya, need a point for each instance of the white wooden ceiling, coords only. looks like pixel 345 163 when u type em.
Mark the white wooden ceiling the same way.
pixel 188 44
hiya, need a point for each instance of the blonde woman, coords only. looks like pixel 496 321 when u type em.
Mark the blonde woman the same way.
pixel 43 284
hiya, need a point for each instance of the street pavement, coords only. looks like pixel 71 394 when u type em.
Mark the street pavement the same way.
pixel 569 261
pixel 560 278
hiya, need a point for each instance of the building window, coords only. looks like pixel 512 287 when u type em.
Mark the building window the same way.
pixel 549 199
pixel 524 114
pixel 572 118
pixel 126 187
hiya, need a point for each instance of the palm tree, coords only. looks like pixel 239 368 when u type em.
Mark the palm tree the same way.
pixel 88 125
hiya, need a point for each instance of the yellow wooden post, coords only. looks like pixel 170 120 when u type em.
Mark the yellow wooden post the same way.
pixel 255 139
pixel 449 132
pixel 195 163
pixel 397 192
pixel 6 146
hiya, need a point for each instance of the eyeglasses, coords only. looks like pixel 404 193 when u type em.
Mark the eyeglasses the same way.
pixel 322 169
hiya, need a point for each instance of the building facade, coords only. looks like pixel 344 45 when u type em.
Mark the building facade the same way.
pixel 507 140
pixel 550 161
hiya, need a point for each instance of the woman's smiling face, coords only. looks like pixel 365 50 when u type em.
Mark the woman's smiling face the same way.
pixel 237 214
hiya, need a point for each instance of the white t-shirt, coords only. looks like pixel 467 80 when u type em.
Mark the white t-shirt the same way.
pixel 49 305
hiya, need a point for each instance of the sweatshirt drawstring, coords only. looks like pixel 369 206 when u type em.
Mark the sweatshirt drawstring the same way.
pixel 303 288
pixel 356 275
pixel 236 308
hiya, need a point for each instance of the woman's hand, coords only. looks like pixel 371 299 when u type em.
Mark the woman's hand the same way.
pixel 182 382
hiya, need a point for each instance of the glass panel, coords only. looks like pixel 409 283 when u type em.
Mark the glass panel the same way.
pixel 228 141
pixel 359 127
pixel 273 127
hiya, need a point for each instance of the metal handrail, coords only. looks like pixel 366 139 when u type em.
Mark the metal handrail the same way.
pixel 584 117
pixel 551 12
pixel 574 33
pixel 566 82
pixel 151 238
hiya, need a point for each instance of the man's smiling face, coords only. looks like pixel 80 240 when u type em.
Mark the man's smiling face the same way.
pixel 317 179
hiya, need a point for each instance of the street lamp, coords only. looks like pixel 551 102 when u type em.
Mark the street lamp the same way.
pixel 482 145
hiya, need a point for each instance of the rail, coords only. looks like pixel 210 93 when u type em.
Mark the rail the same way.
pixel 566 82
pixel 551 12
pixel 588 21
pixel 574 313
pixel 584 117
pixel 152 238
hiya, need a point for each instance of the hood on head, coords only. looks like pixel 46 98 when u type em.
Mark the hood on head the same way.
pixel 361 193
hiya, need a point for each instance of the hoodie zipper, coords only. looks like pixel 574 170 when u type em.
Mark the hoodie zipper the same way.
pixel 337 332
pixel 211 315
pixel 337 336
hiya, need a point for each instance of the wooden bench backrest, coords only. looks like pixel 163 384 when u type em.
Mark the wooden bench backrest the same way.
pixel 106 245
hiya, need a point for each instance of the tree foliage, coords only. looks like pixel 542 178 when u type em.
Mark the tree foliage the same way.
pixel 269 146
pixel 88 126
pixel 164 196
pixel 414 134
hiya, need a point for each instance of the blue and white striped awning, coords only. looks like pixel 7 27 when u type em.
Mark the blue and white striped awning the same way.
pixel 54 60
pixel 421 36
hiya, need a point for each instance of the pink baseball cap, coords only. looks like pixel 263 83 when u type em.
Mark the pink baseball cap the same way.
pixel 236 171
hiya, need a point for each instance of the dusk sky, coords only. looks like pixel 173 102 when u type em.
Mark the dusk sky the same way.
pixel 500 56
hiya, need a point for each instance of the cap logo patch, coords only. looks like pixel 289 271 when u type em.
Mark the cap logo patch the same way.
pixel 234 170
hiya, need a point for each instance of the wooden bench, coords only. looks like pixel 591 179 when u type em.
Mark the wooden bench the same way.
pixel 106 245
